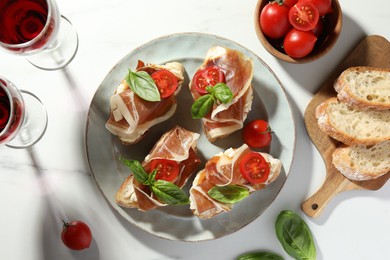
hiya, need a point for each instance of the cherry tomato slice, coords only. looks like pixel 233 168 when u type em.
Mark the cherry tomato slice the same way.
pixel 76 235
pixel 167 170
pixel 257 134
pixel 166 82
pixel 254 168
pixel 208 76
pixel 303 16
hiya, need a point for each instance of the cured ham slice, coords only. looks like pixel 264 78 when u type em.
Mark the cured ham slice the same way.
pixel 131 116
pixel 225 119
pixel 221 170
pixel 178 145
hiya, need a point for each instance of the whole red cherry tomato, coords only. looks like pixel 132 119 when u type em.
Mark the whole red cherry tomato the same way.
pixel 323 6
pixel 166 82
pixel 303 16
pixel 254 168
pixel 290 3
pixel 167 170
pixel 298 44
pixel 257 134
pixel 76 235
pixel 274 20
pixel 208 76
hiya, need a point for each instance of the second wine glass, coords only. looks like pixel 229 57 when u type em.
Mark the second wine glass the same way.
pixel 23 118
pixel 36 29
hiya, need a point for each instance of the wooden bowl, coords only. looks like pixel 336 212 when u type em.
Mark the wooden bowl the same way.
pixel 332 29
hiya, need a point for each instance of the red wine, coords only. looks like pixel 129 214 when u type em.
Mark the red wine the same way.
pixel 5 108
pixel 22 21
pixel 11 116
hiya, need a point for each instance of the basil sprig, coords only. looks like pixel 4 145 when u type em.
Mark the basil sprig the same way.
pixel 260 256
pixel 166 191
pixel 229 194
pixel 295 236
pixel 143 85
pixel 220 92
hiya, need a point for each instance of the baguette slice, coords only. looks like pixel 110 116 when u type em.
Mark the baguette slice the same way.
pixel 364 87
pixel 360 162
pixel 352 126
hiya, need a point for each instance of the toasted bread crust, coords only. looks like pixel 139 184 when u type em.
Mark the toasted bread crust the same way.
pixel 361 162
pixel 366 127
pixel 364 87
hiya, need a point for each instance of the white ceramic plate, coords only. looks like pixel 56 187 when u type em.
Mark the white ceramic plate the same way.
pixel 177 222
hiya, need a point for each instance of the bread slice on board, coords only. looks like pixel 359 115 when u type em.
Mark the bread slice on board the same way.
pixel 353 126
pixel 360 162
pixel 364 87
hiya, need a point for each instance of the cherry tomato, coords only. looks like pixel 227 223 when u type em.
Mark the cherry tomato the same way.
pixel 290 3
pixel 274 20
pixel 166 82
pixel 298 44
pixel 167 170
pixel 208 76
pixel 303 16
pixel 323 6
pixel 76 235
pixel 254 168
pixel 257 134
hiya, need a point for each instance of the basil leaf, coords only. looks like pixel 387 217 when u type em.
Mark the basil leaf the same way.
pixel 223 93
pixel 202 106
pixel 169 193
pixel 143 85
pixel 260 256
pixel 151 177
pixel 295 236
pixel 228 194
pixel 138 171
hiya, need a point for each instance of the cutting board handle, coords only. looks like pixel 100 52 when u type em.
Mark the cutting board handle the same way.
pixel 334 183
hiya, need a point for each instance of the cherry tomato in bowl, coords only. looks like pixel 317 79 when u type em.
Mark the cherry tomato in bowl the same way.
pixel 166 82
pixel 208 76
pixel 323 6
pixel 257 134
pixel 167 170
pixel 76 235
pixel 254 168
pixel 274 20
pixel 299 44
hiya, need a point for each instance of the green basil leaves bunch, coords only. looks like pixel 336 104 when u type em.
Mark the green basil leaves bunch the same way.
pixel 165 191
pixel 143 85
pixel 202 106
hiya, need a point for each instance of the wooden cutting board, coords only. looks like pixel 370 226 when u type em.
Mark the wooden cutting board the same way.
pixel 372 51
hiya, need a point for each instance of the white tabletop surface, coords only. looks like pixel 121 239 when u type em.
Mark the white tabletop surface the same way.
pixel 51 181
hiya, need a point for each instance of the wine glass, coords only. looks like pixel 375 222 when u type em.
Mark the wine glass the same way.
pixel 23 118
pixel 35 29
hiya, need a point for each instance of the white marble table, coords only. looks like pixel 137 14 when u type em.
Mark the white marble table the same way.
pixel 51 181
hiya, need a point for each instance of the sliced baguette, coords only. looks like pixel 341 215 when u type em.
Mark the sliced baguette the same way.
pixel 352 126
pixel 360 162
pixel 364 87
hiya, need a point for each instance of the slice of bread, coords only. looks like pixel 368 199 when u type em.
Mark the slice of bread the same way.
pixel 364 87
pixel 353 126
pixel 360 162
